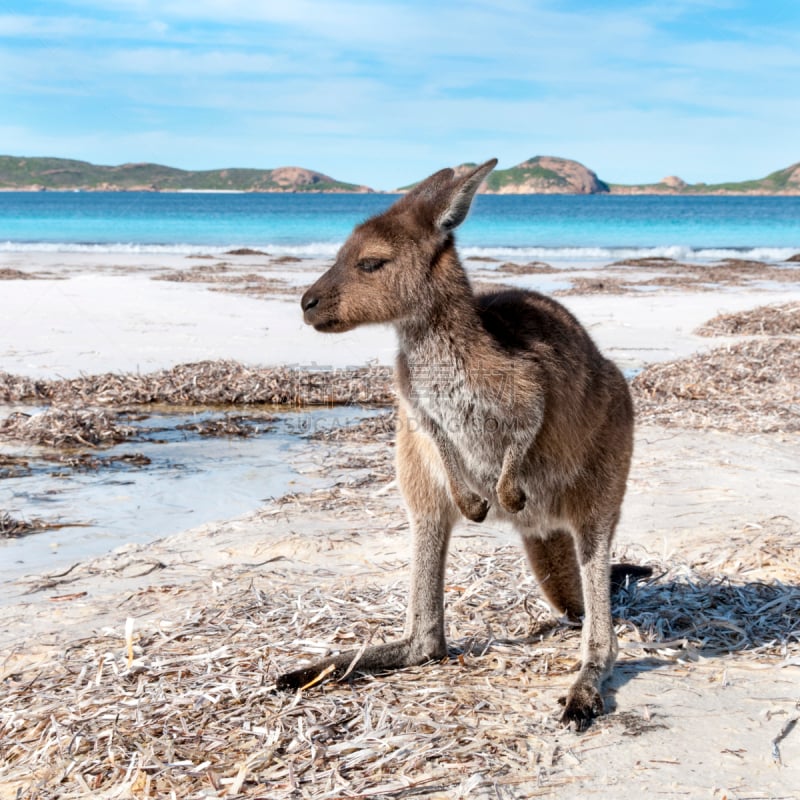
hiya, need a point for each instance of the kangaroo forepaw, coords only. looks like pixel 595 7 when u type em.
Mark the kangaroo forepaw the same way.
pixel 473 507
pixel 511 498
pixel 581 706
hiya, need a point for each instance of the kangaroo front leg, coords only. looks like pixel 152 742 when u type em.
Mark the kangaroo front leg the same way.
pixel 584 700
pixel 509 493
pixel 471 505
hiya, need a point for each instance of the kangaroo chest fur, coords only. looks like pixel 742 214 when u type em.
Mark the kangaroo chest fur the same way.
pixel 461 398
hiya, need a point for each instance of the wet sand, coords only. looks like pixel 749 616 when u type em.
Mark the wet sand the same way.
pixel 218 610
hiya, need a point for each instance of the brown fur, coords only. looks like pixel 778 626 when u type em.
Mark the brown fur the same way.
pixel 506 405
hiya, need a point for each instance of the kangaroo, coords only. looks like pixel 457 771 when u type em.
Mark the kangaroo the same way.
pixel 505 404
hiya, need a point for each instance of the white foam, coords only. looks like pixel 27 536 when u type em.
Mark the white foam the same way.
pixel 329 250
pixel 309 250
pixel 677 252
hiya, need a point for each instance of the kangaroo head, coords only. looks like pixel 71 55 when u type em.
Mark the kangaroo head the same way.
pixel 382 273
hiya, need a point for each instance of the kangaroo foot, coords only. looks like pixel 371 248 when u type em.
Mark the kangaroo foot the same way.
pixel 581 705
pixel 378 658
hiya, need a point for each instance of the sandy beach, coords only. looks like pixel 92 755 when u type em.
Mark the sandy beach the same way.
pixel 150 670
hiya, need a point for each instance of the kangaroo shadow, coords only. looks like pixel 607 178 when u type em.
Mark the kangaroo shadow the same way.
pixel 685 617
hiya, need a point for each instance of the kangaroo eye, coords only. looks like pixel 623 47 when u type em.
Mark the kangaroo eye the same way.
pixel 371 264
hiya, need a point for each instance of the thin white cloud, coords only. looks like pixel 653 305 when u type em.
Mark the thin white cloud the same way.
pixel 168 62
pixel 349 80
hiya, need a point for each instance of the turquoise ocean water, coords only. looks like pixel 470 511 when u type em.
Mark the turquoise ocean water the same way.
pixel 549 227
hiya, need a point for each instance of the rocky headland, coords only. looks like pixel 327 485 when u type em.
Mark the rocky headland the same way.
pixel 537 175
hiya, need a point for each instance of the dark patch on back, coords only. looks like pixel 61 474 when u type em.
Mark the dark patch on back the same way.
pixel 516 319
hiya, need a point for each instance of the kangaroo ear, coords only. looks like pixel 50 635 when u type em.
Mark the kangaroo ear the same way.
pixel 432 186
pixel 459 195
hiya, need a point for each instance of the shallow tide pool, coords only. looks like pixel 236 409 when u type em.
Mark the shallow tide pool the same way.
pixel 184 480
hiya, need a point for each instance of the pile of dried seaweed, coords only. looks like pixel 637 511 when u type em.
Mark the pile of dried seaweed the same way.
pixel 209 383
pixel 222 277
pixel 207 273
pixel 252 284
pixel 728 271
pixel 531 268
pixel 750 386
pixel 684 276
pixel 189 710
pixel 7 274
pixel 231 425
pixel 286 260
pixel 378 428
pixel 66 427
pixel 12 527
pixel 606 285
pixel 653 262
pixel 780 320
pixel 14 466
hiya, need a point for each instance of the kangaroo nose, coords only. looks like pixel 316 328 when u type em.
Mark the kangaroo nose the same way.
pixel 309 301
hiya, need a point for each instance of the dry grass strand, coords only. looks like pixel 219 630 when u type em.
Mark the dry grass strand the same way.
pixel 750 386
pixel 772 320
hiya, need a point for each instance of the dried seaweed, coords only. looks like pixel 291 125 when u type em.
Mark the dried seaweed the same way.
pixel 531 268
pixel 231 425
pixel 60 427
pixel 210 383
pixel 771 320
pixel 222 278
pixel 89 461
pixel 750 386
pixel 13 466
pixel 609 285
pixel 13 527
pixel 7 274
pixel 259 286
pixel 679 275
pixel 654 262
pixel 372 429
pixel 739 272
pixel 211 273
pixel 188 708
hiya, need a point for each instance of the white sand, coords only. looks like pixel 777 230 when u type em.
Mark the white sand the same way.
pixel 689 491
pixel 94 323
pixel 111 316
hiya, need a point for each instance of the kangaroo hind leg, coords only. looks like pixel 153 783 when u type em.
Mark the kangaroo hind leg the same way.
pixel 432 514
pixel 584 700
pixel 554 562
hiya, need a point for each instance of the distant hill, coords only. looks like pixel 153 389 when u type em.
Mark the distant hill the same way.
pixel 538 175
pixel 784 181
pixel 37 174
pixel 545 175
pixel 550 175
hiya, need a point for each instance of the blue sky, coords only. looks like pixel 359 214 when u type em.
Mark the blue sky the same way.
pixel 382 93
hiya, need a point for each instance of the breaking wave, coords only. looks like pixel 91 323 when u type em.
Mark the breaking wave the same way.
pixel 326 250
pixel 676 252
pixel 309 250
